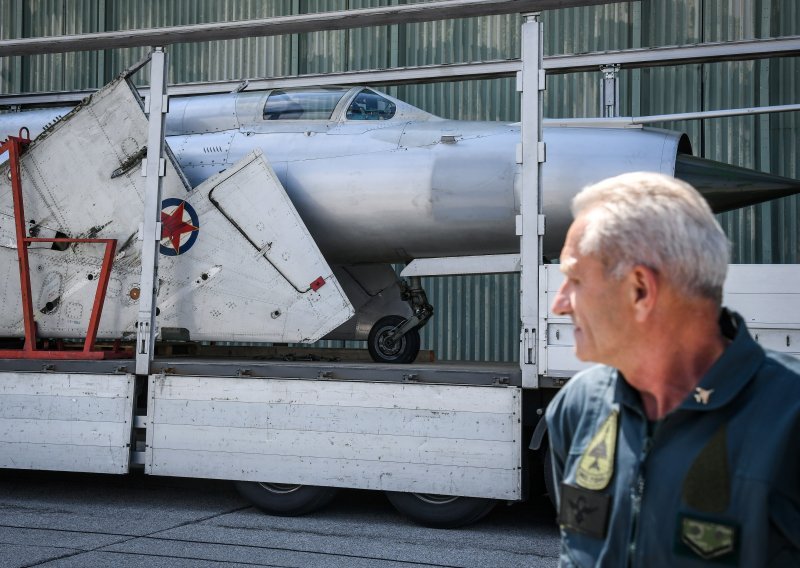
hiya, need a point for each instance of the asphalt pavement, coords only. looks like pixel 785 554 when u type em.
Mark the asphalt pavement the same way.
pixel 80 520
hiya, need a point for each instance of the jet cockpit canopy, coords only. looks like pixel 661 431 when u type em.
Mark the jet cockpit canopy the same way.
pixel 215 113
pixel 320 103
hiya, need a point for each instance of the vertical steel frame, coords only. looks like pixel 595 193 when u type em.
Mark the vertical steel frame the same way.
pixel 609 92
pixel 15 145
pixel 154 168
pixel 530 222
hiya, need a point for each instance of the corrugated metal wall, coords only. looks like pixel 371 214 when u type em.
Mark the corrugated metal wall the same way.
pixel 477 317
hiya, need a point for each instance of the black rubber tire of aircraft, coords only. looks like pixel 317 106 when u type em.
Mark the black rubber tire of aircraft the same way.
pixel 285 500
pixel 403 351
pixel 440 511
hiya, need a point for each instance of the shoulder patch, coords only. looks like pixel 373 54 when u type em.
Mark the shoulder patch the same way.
pixel 707 485
pixel 596 466
pixel 713 541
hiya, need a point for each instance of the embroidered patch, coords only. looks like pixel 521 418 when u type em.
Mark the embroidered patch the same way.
pixel 707 485
pixel 708 539
pixel 584 511
pixel 596 466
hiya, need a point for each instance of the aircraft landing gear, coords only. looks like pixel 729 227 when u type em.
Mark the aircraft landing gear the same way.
pixel 386 345
pixel 395 339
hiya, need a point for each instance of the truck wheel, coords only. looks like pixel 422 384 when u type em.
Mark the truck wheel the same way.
pixel 440 511
pixel 285 500
pixel 384 350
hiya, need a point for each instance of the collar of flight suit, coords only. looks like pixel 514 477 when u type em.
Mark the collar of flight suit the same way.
pixel 726 378
pixel 733 371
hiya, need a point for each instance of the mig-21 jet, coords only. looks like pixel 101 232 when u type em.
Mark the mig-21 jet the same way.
pixel 378 181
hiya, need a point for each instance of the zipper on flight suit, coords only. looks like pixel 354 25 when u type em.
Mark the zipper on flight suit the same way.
pixel 637 491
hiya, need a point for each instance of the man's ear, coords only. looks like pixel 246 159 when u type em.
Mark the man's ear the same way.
pixel 644 287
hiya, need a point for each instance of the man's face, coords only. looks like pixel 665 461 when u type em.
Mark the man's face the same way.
pixel 595 302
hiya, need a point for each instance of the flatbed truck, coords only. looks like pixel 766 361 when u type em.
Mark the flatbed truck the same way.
pixel 445 440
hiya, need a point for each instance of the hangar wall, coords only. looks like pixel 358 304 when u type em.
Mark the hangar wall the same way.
pixel 477 316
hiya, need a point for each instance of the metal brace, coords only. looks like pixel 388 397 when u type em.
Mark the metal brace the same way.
pixel 609 94
pixel 413 293
pixel 528 339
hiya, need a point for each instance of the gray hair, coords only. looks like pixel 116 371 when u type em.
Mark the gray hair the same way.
pixel 656 221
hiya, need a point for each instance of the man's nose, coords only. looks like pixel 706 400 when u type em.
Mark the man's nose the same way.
pixel 561 305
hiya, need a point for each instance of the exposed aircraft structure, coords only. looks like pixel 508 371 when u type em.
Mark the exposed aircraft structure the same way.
pixel 227 269
pixel 376 180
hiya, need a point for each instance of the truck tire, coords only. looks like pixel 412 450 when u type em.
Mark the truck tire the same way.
pixel 440 511
pixel 381 350
pixel 285 500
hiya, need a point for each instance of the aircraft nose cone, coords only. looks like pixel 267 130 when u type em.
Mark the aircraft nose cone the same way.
pixel 727 187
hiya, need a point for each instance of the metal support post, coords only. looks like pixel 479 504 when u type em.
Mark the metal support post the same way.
pixel 154 168
pixel 609 95
pixel 530 223
pixel 14 146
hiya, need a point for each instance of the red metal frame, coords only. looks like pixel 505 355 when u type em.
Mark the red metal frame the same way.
pixel 15 145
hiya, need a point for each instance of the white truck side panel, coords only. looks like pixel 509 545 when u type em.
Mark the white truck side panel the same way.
pixel 457 440
pixel 66 422
pixel 557 348
pixel 766 295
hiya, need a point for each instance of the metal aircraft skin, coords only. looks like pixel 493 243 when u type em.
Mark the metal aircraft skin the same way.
pixel 377 180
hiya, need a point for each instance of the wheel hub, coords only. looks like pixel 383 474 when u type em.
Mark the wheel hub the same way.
pixel 435 499
pixel 388 345
pixel 282 488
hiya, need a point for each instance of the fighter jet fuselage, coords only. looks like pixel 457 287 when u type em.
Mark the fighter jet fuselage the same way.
pixel 371 180
pixel 389 182
pixel 378 180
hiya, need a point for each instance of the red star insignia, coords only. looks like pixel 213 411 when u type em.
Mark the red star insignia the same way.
pixel 173 226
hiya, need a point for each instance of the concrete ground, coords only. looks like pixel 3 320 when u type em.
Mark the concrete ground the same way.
pixel 81 520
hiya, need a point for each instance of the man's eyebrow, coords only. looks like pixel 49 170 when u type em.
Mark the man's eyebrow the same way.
pixel 567 265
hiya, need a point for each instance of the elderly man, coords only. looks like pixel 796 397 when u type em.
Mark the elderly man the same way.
pixel 683 448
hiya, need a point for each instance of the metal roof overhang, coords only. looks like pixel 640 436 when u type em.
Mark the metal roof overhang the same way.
pixel 322 21
pixel 626 59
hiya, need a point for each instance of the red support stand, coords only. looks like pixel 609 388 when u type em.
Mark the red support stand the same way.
pixel 15 146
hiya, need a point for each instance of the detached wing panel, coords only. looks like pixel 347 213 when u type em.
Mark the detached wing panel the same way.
pixel 255 273
pixel 82 178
